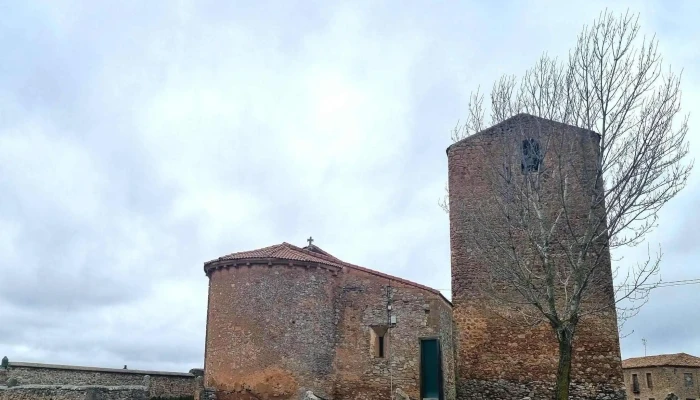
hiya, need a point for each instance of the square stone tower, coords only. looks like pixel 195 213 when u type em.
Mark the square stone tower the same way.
pixel 497 357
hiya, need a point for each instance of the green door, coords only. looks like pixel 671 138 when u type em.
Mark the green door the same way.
pixel 430 369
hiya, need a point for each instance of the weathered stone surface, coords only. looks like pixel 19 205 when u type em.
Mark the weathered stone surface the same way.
pixel 197 371
pixel 276 331
pixel 400 395
pixel 67 392
pixel 658 382
pixel 501 389
pixel 309 395
pixel 160 384
pixel 209 394
pixel 489 349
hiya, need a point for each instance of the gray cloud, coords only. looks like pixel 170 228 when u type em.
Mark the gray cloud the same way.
pixel 139 140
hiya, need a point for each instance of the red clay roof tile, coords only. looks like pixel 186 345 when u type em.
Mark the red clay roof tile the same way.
pixel 283 251
pixel 314 254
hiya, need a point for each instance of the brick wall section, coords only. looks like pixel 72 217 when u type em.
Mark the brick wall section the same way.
pixel 492 355
pixel 162 384
pixel 276 331
pixel 665 380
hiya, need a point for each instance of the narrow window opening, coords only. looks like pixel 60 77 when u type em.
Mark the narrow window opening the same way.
pixel 650 384
pixel 379 341
pixel 635 384
pixel 688 380
pixel 531 156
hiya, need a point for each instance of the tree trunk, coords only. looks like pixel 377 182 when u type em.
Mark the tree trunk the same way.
pixel 565 336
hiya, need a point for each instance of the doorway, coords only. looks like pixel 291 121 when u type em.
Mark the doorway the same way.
pixel 430 369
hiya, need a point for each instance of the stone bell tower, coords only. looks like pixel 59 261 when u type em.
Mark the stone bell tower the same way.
pixel 493 355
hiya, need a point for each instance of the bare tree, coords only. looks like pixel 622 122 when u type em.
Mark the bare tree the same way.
pixel 547 233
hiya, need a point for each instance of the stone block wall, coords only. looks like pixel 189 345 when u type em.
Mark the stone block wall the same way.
pixel 362 301
pixel 664 380
pixel 494 355
pixel 270 331
pixel 162 384
pixel 64 392
pixel 278 331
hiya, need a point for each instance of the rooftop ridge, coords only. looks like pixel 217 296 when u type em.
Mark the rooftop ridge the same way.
pixel 317 250
pixel 512 118
pixel 277 251
pixel 321 258
pixel 96 369
pixel 374 272
pixel 659 360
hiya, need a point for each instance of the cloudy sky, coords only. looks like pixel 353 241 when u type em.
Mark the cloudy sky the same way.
pixel 139 139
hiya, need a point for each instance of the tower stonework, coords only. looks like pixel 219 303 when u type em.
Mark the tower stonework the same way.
pixel 494 357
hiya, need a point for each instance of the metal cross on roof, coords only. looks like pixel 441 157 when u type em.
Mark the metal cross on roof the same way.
pixel 310 240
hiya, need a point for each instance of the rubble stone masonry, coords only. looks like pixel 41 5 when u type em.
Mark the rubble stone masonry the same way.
pixel 68 380
pixel 657 382
pixel 276 330
pixel 495 358
pixel 66 392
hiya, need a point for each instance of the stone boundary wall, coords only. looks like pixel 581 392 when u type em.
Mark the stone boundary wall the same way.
pixel 66 392
pixel 161 384
pixel 507 390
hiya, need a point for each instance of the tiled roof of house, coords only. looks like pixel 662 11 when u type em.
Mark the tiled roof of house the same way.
pixel 662 360
pixel 282 251
pixel 311 254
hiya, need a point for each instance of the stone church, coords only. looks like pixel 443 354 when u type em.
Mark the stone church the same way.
pixel 287 322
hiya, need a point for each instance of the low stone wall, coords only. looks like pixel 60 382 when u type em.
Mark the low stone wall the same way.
pixel 505 390
pixel 64 392
pixel 162 384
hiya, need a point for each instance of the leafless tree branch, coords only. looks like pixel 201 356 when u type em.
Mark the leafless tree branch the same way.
pixel 546 234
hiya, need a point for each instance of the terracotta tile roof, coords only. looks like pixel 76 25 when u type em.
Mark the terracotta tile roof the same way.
pixel 283 251
pixel 662 360
pixel 313 254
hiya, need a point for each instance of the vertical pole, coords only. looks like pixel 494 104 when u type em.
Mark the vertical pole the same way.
pixel 388 345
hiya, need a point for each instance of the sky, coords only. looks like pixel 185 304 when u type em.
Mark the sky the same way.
pixel 140 139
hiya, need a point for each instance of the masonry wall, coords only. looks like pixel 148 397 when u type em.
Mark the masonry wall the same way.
pixel 162 384
pixel 362 301
pixel 276 331
pixel 664 380
pixel 62 392
pixel 495 357
pixel 270 331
